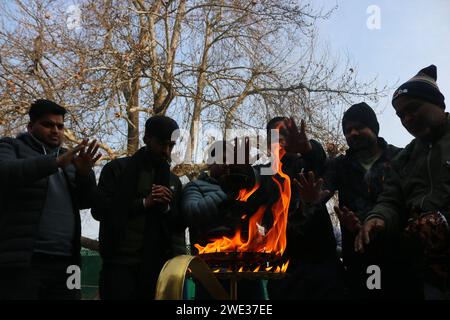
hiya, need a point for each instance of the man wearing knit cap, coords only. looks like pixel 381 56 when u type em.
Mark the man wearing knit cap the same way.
pixel 357 177
pixel 137 207
pixel 415 201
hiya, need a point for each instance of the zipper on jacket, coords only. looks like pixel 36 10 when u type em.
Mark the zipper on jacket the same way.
pixel 430 146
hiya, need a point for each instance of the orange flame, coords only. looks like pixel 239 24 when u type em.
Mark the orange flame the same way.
pixel 273 241
pixel 284 266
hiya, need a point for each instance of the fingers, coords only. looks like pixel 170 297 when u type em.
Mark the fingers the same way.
pixel 94 152
pixel 97 157
pixel 359 247
pixel 161 194
pixel 366 230
pixel 91 147
pixel 79 147
pixel 293 125
pixel 161 199
pixel 288 123
pixel 302 127
pixel 303 181
pixel 158 190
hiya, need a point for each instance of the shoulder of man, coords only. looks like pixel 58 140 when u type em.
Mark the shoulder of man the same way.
pixel 14 142
pixel 116 165
pixel 403 155
pixel 9 140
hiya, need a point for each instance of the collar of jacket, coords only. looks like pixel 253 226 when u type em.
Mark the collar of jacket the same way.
pixel 38 146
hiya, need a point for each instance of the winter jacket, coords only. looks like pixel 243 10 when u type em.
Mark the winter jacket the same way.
pixel 419 180
pixel 117 200
pixel 25 168
pixel 201 204
pixel 358 189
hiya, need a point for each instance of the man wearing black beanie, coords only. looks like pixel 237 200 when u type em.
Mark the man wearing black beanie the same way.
pixel 357 176
pixel 137 206
pixel 415 201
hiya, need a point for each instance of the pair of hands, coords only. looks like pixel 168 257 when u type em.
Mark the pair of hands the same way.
pixel 366 232
pixel 83 160
pixel 159 195
pixel 311 192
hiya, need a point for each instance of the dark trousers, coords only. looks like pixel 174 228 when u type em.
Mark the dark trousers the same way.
pixel 45 279
pixel 126 282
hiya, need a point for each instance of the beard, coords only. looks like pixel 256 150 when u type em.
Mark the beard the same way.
pixel 362 143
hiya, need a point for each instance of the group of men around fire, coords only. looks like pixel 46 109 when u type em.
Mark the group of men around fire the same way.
pixel 393 206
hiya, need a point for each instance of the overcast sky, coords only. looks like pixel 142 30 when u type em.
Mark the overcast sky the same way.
pixel 412 34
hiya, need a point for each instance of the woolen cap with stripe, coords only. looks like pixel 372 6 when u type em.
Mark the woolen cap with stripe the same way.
pixel 422 86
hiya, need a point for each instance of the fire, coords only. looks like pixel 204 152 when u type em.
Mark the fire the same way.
pixel 284 266
pixel 273 241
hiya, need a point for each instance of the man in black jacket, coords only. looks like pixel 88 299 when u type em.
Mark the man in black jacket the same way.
pixel 137 207
pixel 43 187
pixel 358 178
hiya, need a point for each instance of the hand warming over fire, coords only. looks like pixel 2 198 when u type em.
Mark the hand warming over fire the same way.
pixel 348 219
pixel 367 232
pixel 296 141
pixel 310 189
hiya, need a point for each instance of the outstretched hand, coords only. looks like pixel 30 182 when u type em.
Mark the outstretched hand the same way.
pixel 67 158
pixel 367 232
pixel 85 160
pixel 348 219
pixel 296 141
pixel 310 189
pixel 82 159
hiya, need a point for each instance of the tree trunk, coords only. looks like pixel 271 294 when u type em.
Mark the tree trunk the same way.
pixel 133 119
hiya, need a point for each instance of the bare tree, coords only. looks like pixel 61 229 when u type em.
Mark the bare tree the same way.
pixel 224 63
